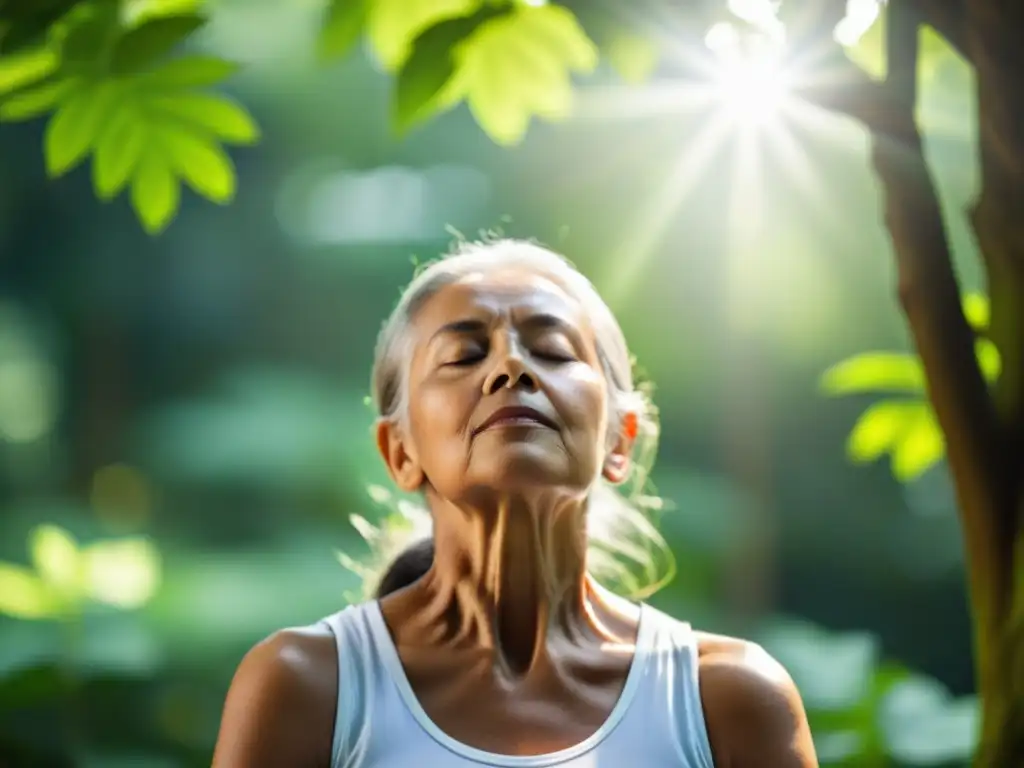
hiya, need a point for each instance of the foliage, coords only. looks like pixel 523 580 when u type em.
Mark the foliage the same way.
pixel 117 86
pixel 904 427
pixel 108 77
pixel 123 573
pixel 114 80
pixel 865 711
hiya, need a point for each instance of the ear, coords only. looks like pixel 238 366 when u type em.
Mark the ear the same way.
pixel 399 457
pixel 618 461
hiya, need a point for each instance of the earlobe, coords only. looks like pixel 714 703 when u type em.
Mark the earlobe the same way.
pixel 401 462
pixel 616 468
pixel 617 463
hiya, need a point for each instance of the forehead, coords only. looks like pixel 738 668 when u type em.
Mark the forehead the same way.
pixel 507 293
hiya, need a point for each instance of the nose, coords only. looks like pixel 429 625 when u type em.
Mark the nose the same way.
pixel 510 372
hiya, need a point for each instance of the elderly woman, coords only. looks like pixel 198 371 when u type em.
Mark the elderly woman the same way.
pixel 506 399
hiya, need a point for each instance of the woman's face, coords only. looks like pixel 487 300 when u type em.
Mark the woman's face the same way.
pixel 505 392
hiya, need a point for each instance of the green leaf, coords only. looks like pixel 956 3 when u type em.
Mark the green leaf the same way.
pixel 633 56
pixel 393 25
pixel 977 310
pixel 156 194
pixel 23 69
pixel 152 40
pixel 55 556
pixel 87 42
pixel 919 448
pixel 27 32
pixel 875 371
pixel 419 87
pixel 76 124
pixel 225 119
pixel 343 25
pixel 989 361
pixel 34 102
pixel 201 162
pixel 189 72
pixel 23 595
pixel 880 427
pixel 518 65
pixel 117 152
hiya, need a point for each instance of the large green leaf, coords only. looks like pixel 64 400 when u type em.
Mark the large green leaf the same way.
pixel 393 25
pixel 518 66
pixel 152 40
pixel 151 136
pixel 420 87
pixel 875 371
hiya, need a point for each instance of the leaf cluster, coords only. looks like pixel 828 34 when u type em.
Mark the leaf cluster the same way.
pixel 117 89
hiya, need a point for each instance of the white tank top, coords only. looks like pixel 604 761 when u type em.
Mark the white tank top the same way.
pixel 658 721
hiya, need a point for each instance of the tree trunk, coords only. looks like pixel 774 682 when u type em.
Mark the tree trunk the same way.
pixel 984 429
pixel 992 32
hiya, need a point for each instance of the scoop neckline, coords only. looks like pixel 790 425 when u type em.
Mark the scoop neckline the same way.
pixel 393 661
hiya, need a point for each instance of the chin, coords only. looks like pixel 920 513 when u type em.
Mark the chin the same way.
pixel 521 465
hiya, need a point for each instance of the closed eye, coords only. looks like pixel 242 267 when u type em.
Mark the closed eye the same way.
pixel 467 360
pixel 555 357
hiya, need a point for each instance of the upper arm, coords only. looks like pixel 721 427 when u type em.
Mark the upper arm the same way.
pixel 753 711
pixel 280 707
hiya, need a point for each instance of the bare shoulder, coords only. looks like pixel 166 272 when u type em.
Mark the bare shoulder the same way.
pixel 752 708
pixel 281 705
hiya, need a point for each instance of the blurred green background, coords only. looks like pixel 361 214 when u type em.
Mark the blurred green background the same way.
pixel 186 414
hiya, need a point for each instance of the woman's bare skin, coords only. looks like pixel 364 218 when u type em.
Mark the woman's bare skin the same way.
pixel 508 644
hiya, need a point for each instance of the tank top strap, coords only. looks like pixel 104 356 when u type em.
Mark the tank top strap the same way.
pixel 357 663
pixel 676 667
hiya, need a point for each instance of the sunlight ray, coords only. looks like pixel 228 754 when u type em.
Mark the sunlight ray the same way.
pixel 798 167
pixel 639 244
pixel 629 102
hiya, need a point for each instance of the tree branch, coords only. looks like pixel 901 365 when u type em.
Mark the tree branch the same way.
pixel 977 445
pixel 976 442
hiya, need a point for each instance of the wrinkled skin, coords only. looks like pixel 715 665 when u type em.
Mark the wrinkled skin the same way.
pixel 506 627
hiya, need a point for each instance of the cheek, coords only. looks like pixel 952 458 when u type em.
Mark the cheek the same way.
pixel 586 401
pixel 438 419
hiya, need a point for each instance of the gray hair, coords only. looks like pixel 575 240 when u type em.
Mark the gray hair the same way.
pixel 618 520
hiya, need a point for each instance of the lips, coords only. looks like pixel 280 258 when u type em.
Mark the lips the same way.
pixel 514 415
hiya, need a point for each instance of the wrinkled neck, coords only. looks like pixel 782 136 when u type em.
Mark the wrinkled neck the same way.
pixel 510 576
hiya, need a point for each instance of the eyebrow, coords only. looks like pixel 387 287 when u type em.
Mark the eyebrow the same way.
pixel 544 320
pixel 471 326
pixel 460 328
